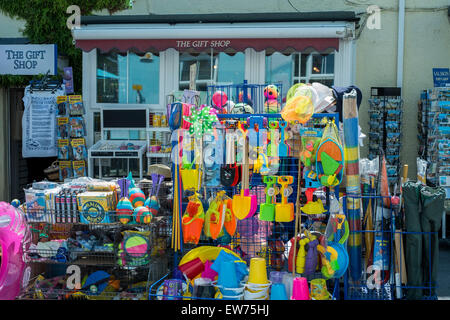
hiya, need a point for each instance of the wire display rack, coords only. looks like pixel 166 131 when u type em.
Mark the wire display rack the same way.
pixel 255 237
pixel 118 284
pixel 98 247
pixel 385 123
pixel 379 258
pixel 251 94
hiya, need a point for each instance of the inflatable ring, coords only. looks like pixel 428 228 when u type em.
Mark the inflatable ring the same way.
pixel 15 239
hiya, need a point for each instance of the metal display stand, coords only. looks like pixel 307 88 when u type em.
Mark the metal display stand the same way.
pixel 108 149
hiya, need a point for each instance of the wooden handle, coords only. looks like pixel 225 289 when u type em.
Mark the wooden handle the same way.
pixel 405 172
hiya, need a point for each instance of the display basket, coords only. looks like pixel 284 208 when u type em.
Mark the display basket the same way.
pixel 254 97
pixel 363 281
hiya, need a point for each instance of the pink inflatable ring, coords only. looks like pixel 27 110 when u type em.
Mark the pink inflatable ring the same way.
pixel 15 239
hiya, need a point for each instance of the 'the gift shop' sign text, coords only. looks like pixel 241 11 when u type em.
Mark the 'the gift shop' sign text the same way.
pixel 203 43
pixel 28 59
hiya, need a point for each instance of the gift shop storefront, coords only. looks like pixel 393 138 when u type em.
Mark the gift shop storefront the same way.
pixel 135 62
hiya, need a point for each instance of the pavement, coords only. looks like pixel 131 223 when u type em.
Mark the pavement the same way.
pixel 443 290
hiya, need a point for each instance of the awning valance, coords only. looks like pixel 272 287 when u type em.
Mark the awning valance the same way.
pixel 206 45
pixel 229 38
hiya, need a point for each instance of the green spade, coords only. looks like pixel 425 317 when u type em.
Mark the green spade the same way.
pixel 267 209
pixel 331 168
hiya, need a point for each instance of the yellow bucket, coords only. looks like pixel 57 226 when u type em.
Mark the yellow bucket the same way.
pixel 190 177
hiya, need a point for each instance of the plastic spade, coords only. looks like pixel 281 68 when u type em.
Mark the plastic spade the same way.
pixel 284 211
pixel 256 123
pixel 242 203
pixel 282 147
pixel 267 210
pixel 272 147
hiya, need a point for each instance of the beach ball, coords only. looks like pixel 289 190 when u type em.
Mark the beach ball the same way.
pixel 142 215
pixel 15 203
pixel 219 98
pixel 136 196
pixel 124 210
pixel 152 204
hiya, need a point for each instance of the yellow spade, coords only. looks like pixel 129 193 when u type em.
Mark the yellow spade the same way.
pixel 284 211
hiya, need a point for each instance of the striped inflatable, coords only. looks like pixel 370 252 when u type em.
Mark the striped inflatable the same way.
pixel 142 215
pixel 137 197
pixel 353 183
pixel 124 210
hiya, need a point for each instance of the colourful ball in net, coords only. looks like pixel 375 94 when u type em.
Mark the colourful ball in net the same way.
pixel 142 215
pixel 298 108
pixel 137 197
pixel 219 98
pixel 15 203
pixel 152 203
pixel 124 210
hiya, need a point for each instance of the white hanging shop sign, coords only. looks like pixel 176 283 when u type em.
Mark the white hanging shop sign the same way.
pixel 28 59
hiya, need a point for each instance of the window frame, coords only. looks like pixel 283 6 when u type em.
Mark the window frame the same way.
pixel 109 104
pixel 309 76
pixel 213 73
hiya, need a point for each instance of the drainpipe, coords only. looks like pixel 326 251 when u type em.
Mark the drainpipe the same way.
pixel 400 42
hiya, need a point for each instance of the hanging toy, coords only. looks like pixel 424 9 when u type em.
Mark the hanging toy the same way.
pixel 310 138
pixel 313 207
pixel 201 121
pixel 271 93
pixel 298 108
pixel 142 215
pixel 330 157
pixel 216 222
pixel 301 256
pixel 311 255
pixel 213 220
pixel 152 205
pixel 124 210
pixel 135 194
pixel 136 197
pixel 230 222
pixel 329 261
pixel 284 211
pixel 193 220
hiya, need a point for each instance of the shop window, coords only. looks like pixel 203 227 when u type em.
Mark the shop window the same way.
pixel 127 78
pixel 314 68
pixel 299 67
pixel 279 70
pixel 220 69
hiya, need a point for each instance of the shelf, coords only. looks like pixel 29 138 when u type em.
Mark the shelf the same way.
pixel 158 155
pixel 158 129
